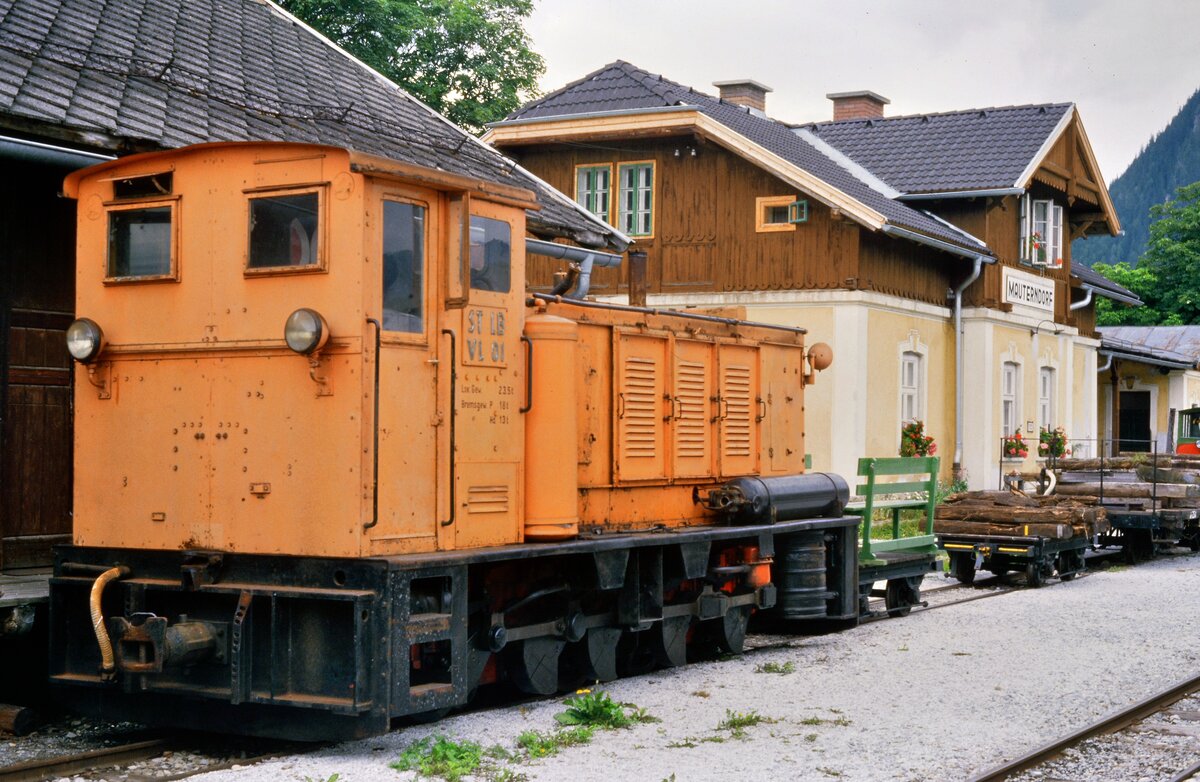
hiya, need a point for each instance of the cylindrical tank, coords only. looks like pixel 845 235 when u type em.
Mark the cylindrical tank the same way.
pixel 788 497
pixel 551 463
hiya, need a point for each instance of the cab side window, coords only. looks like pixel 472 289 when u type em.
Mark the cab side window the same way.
pixel 403 267
pixel 141 229
pixel 139 242
pixel 284 231
pixel 491 254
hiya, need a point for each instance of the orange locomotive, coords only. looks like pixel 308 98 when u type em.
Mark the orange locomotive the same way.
pixel 432 481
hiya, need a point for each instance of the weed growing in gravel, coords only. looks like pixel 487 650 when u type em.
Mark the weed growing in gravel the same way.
pixel 841 722
pixel 537 744
pixel 701 693
pixel 599 710
pixel 507 775
pixel 829 772
pixel 736 722
pixel 810 737
pixel 334 777
pixel 780 668
pixel 688 742
pixel 441 757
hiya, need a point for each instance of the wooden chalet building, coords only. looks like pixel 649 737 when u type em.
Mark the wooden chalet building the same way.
pixel 861 229
pixel 81 82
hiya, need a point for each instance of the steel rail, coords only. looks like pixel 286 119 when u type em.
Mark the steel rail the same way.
pixel 1117 720
pixel 1187 773
pixel 66 765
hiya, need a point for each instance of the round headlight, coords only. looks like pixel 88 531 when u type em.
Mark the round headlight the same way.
pixel 305 331
pixel 84 340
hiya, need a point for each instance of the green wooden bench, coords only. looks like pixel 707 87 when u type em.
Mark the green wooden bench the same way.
pixel 901 476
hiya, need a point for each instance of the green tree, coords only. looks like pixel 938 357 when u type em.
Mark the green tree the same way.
pixel 1173 254
pixel 468 59
pixel 1143 282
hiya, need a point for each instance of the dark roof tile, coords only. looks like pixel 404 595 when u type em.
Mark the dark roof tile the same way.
pixel 169 73
pixel 974 149
pixel 621 86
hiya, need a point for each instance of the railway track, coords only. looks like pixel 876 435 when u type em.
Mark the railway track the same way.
pixel 1113 723
pixel 129 755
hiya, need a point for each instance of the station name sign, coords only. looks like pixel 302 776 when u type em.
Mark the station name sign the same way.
pixel 1028 290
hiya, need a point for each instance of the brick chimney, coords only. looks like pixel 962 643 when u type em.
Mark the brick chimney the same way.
pixel 744 92
pixel 862 104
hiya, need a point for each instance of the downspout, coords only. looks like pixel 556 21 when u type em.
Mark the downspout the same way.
pixel 958 364
pixel 584 257
pixel 1086 300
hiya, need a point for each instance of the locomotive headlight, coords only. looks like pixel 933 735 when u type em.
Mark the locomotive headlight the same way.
pixel 305 331
pixel 84 340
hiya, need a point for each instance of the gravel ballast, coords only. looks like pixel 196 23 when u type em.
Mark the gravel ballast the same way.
pixel 936 695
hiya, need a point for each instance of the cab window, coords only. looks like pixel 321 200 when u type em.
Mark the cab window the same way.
pixel 141 243
pixel 491 254
pixel 403 267
pixel 284 231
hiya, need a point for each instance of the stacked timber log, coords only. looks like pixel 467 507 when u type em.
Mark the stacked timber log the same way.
pixel 1019 515
pixel 1136 481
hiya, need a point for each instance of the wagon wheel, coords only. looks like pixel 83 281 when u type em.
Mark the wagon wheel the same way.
pixel 1033 575
pixel 962 567
pixel 1069 565
pixel 533 664
pixel 902 594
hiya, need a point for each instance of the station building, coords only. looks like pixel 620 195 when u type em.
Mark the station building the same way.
pixel 1147 378
pixel 932 251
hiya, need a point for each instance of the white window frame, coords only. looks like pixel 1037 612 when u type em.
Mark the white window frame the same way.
pixel 1047 381
pixel 589 193
pixel 1010 398
pixel 1048 225
pixel 912 391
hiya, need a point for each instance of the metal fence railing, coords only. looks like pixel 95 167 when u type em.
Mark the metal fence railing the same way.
pixel 1101 450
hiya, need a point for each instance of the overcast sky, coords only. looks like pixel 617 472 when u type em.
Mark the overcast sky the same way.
pixel 1128 65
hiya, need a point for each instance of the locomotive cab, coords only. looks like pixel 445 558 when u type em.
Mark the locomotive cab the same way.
pixel 334 466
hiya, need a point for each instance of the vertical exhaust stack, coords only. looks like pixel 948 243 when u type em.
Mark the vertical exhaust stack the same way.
pixel 551 462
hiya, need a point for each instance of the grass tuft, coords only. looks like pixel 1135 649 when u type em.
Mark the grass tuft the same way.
pixel 537 744
pixel 599 710
pixel 441 757
pixel 780 668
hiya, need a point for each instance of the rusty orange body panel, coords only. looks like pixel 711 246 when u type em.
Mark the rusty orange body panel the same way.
pixel 199 428
pixel 340 468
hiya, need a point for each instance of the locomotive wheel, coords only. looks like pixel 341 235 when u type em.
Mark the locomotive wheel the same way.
pixel 635 653
pixel 533 665
pixel 732 639
pixel 1033 575
pixel 590 660
pixel 670 641
pixel 962 567
pixel 902 594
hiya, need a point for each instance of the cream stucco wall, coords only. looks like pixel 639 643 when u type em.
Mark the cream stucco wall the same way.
pixel 992 338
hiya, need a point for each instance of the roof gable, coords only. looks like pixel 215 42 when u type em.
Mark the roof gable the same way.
pixel 977 149
pixel 621 88
pixel 139 75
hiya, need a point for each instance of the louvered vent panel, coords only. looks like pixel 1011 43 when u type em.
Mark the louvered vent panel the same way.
pixel 640 416
pixel 487 499
pixel 690 423
pixel 739 410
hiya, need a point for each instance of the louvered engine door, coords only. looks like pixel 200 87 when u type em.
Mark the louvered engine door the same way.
pixel 692 409
pixel 640 405
pixel 737 409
